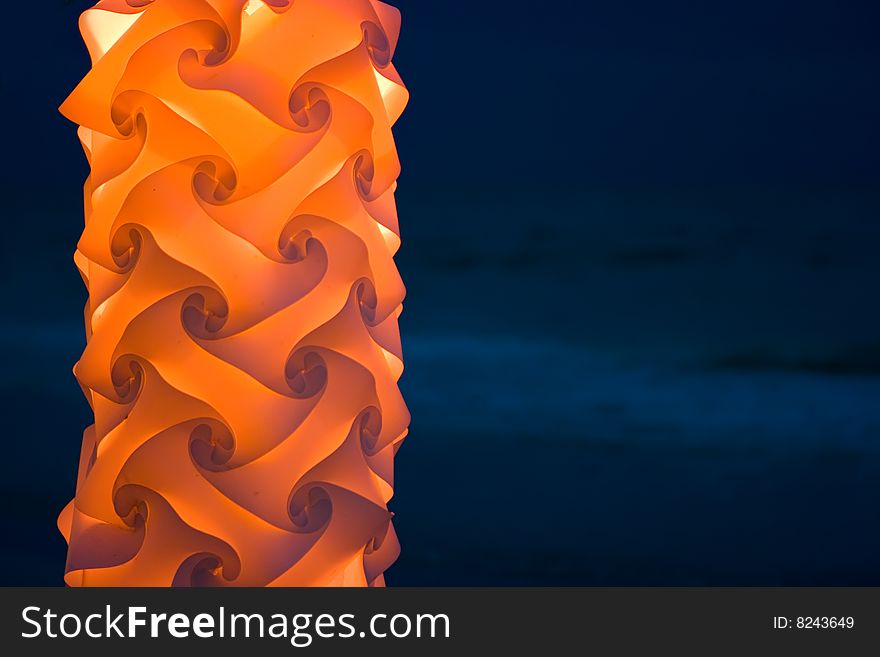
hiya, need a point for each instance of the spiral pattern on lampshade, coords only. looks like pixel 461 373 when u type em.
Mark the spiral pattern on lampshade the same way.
pixel 243 349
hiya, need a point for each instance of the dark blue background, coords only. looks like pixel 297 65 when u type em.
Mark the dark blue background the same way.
pixel 642 335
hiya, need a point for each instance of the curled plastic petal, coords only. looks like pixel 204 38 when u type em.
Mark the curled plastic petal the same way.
pixel 243 350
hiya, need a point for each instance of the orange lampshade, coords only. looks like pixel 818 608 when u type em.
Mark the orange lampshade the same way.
pixel 243 348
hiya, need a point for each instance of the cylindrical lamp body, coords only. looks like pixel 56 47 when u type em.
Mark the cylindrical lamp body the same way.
pixel 243 348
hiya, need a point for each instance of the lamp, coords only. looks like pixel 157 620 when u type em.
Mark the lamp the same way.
pixel 243 348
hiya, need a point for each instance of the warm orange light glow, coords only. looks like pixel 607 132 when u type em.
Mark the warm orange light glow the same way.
pixel 243 350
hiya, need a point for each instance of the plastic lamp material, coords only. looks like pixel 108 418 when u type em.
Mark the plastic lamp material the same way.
pixel 243 349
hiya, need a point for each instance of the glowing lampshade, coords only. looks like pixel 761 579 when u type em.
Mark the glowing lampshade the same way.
pixel 243 349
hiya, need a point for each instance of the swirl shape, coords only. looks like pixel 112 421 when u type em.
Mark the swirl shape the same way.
pixel 243 350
